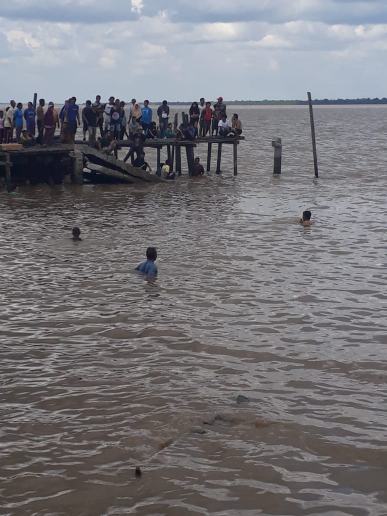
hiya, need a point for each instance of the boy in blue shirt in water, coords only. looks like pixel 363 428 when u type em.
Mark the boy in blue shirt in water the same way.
pixel 149 268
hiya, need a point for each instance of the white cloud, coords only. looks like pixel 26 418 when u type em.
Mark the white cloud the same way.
pixel 137 6
pixel 108 58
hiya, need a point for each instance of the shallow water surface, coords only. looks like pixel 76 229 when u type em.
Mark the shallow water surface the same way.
pixel 102 371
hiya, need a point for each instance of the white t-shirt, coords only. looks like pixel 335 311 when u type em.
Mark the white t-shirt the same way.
pixel 225 125
pixel 8 117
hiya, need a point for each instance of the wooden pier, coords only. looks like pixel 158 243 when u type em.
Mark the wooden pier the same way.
pixel 60 163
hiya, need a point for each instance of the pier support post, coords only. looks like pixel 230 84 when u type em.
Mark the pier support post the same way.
pixel 235 158
pixel 8 177
pixel 190 159
pixel 35 101
pixel 209 151
pixel 313 134
pixel 158 165
pixel 169 155
pixel 176 122
pixel 77 175
pixel 178 160
pixel 219 160
pixel 277 144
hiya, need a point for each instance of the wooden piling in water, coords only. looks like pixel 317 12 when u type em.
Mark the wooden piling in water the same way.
pixel 158 164
pixel 219 160
pixel 277 144
pixel 178 160
pixel 8 176
pixel 209 151
pixel 235 158
pixel 190 159
pixel 312 127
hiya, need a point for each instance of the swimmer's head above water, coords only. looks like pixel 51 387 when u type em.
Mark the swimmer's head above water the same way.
pixel 76 233
pixel 306 218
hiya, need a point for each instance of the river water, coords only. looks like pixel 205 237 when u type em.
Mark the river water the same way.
pixel 102 371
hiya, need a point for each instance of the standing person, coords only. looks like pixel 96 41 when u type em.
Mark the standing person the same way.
pixel 51 121
pixel 163 114
pixel 219 111
pixel 29 117
pixel 132 104
pixel 73 118
pixel 107 115
pixel 18 120
pixel 89 117
pixel 146 116
pixel 98 108
pixel 207 115
pixel 202 107
pixel 115 119
pixel 8 125
pixel 124 121
pixel 1 126
pixel 194 113
pixel 40 120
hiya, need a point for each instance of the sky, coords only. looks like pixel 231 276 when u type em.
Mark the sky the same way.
pixel 182 50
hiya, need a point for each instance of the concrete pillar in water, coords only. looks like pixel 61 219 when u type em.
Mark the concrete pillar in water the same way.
pixel 77 175
pixel 277 144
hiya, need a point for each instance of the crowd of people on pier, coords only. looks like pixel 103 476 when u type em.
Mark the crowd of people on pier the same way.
pixel 113 120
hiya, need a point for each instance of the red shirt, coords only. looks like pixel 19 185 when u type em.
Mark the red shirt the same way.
pixel 208 114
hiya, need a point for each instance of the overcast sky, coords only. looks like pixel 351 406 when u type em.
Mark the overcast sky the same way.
pixel 185 49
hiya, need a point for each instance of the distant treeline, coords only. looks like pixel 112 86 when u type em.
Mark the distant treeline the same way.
pixel 321 102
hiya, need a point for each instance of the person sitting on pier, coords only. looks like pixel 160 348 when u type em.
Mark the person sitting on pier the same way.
pixel 236 125
pixel 188 132
pixel 306 218
pixel 152 132
pixel 76 234
pixel 140 162
pixel 224 127
pixel 29 117
pixel 149 268
pixel 198 169
pixel 170 133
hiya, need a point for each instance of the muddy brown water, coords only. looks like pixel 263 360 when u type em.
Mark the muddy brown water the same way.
pixel 102 371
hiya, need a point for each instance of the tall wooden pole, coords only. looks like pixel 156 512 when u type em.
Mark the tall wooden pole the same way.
pixel 219 160
pixel 178 160
pixel 35 101
pixel 313 134
pixel 235 157
pixel 209 151
pixel 277 144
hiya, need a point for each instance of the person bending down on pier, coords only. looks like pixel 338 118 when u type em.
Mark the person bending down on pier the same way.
pixel 136 148
pixel 140 162
pixel 107 144
pixel 26 139
pixel 148 267
pixel 306 218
